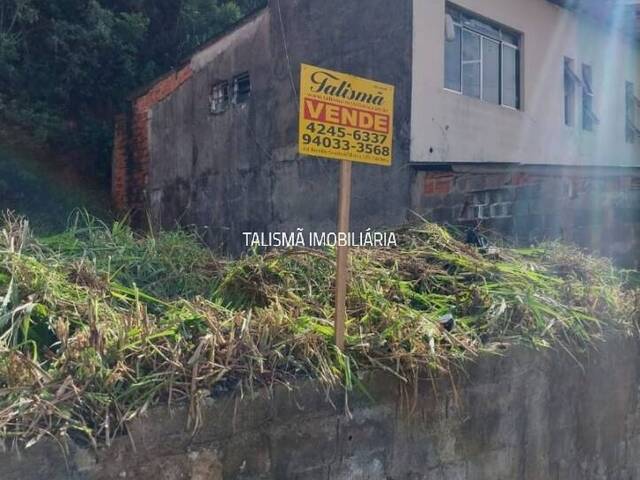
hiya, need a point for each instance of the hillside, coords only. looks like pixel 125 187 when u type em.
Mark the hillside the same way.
pixel 46 187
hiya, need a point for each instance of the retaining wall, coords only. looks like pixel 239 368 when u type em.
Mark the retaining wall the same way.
pixel 523 415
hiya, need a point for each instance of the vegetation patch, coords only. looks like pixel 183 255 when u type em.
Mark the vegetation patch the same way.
pixel 67 67
pixel 98 324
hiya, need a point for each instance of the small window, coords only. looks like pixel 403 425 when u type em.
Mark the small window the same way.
pixel 589 118
pixel 482 59
pixel 571 82
pixel 219 99
pixel 632 103
pixel 241 88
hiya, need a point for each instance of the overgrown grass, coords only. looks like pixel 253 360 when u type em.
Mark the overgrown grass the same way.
pixel 97 324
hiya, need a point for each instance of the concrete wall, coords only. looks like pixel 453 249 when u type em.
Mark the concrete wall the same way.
pixel 595 208
pixel 239 171
pixel 449 127
pixel 524 415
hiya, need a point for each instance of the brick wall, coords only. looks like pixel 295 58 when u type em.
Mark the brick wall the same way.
pixel 131 153
pixel 593 208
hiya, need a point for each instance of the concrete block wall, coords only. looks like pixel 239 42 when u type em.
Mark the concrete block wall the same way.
pixel 524 414
pixel 595 208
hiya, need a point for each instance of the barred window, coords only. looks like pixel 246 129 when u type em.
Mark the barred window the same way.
pixel 241 88
pixel 219 99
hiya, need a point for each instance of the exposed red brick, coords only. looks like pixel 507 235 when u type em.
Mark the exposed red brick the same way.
pixel 494 181
pixel 522 178
pixel 131 153
pixel 438 183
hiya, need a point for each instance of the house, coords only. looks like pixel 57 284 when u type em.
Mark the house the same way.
pixel 521 115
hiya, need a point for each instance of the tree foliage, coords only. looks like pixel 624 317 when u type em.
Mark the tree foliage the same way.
pixel 66 66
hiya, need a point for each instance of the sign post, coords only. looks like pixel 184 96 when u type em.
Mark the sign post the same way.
pixel 346 118
pixel 342 252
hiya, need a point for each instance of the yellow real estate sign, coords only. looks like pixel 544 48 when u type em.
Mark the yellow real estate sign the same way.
pixel 345 117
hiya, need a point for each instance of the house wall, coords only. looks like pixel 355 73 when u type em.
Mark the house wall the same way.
pixel 132 144
pixel 239 171
pixel 523 173
pixel 449 127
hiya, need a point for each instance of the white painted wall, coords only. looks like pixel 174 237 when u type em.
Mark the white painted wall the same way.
pixel 449 127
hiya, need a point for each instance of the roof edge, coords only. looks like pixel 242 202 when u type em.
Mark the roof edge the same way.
pixel 249 17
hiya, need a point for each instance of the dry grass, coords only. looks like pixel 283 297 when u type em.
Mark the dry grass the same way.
pixel 98 324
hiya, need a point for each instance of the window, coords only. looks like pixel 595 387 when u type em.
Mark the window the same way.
pixel 631 105
pixel 482 59
pixel 471 64
pixel 241 88
pixel 219 99
pixel 453 50
pixel 571 81
pixel 589 119
pixel 510 76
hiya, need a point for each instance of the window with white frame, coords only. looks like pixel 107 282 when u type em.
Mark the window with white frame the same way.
pixel 219 99
pixel 482 58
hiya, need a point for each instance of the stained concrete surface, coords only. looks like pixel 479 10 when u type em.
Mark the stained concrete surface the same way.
pixel 524 414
